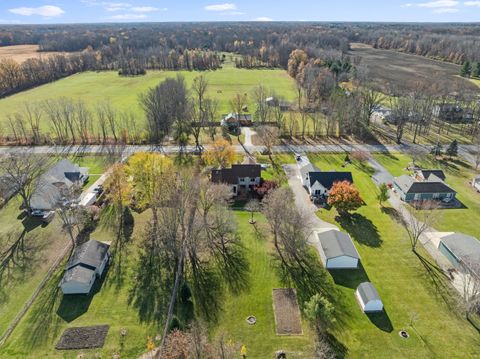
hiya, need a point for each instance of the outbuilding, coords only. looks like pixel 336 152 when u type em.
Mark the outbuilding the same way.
pixel 337 250
pixel 368 298
pixel 462 251
pixel 87 262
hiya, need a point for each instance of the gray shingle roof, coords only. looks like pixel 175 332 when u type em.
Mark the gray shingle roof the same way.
pixel 408 185
pixel 367 292
pixel 78 274
pixel 90 254
pixel 464 247
pixel 335 244
pixel 305 170
pixel 231 175
pixel 438 173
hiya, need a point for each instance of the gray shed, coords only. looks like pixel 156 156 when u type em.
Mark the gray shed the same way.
pixel 337 250
pixel 368 298
pixel 462 251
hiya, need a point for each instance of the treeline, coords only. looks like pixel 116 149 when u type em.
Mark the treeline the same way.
pixel 15 77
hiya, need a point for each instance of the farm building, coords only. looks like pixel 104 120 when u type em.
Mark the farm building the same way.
pixel 88 262
pixel 368 298
pixel 241 178
pixel 462 251
pixel 337 250
pixel 411 189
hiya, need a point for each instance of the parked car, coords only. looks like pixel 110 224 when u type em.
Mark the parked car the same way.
pixel 37 213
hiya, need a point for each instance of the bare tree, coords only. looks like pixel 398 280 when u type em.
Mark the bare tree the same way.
pixel 370 98
pixel 70 213
pixel 198 113
pixel 470 285
pixel 211 111
pixel 262 109
pixel 23 170
pixel 268 136
pixel 420 220
pixel 33 114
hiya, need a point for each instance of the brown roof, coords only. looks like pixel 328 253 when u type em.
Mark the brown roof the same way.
pixel 231 175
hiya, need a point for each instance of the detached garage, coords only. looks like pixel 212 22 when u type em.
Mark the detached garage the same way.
pixel 337 250
pixel 368 298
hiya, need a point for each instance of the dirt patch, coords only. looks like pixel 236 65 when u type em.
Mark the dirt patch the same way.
pixel 359 45
pixel 83 338
pixel 287 312
pixel 20 53
pixel 389 68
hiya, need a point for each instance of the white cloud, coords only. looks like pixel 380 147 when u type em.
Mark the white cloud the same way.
pixel 263 18
pixel 115 6
pixel 472 3
pixel 144 9
pixel 46 11
pixel 128 17
pixel 445 10
pixel 221 7
pixel 439 4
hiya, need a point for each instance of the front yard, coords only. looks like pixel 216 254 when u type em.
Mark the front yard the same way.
pixel 417 297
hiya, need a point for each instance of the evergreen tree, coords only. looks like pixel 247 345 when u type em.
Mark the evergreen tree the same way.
pixel 476 70
pixel 452 149
pixel 437 150
pixel 466 69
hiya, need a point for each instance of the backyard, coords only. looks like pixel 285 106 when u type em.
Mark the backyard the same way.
pixel 416 295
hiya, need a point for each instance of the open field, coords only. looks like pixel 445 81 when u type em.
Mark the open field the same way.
pixel 458 176
pixel 20 53
pixel 123 92
pixel 417 297
pixel 392 68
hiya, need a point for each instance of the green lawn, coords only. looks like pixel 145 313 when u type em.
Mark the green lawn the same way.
pixel 39 331
pixel 260 339
pixel 458 175
pixel 410 287
pixel 276 172
pixel 32 257
pixel 123 92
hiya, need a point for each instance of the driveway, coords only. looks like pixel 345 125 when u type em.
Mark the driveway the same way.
pixel 381 175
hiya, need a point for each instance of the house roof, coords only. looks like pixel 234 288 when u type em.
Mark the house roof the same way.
pixel 78 274
pixel 90 254
pixel 306 169
pixel 327 179
pixel 367 292
pixel 335 244
pixel 438 173
pixel 408 185
pixel 464 247
pixel 231 175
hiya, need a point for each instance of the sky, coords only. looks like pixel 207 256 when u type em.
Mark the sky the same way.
pixel 90 11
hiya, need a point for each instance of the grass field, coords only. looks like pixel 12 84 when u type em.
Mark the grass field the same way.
pixel 20 53
pixel 411 288
pixel 458 176
pixel 260 339
pixel 123 92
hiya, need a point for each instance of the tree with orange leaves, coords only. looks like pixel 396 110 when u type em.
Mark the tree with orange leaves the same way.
pixel 221 154
pixel 344 196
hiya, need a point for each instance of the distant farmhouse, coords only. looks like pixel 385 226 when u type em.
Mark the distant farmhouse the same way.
pixel 233 121
pixel 88 262
pixel 275 102
pixel 241 178
pixel 318 183
pixel 382 114
pixel 452 113
pixel 63 175
pixel 424 185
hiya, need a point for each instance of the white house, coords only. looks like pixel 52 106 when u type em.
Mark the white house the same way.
pixel 368 298
pixel 318 183
pixel 86 264
pixel 337 250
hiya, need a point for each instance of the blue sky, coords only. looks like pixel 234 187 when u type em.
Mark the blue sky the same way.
pixel 70 11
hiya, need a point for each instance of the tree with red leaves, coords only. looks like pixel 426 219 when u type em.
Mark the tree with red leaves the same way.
pixel 344 196
pixel 265 188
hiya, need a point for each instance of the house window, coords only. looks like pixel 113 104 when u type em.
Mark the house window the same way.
pixel 234 189
pixel 318 192
pixel 437 195
pixel 417 196
pixel 242 179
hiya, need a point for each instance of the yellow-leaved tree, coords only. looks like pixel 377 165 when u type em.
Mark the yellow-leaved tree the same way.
pixel 221 154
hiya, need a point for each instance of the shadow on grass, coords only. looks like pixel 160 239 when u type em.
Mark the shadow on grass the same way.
pixel 30 223
pixel 43 321
pixel 337 346
pixel 381 320
pixel 361 229
pixel 394 214
pixel 439 281
pixel 74 306
pixel 350 278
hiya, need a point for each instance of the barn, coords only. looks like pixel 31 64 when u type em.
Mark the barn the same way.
pixel 368 298
pixel 337 250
